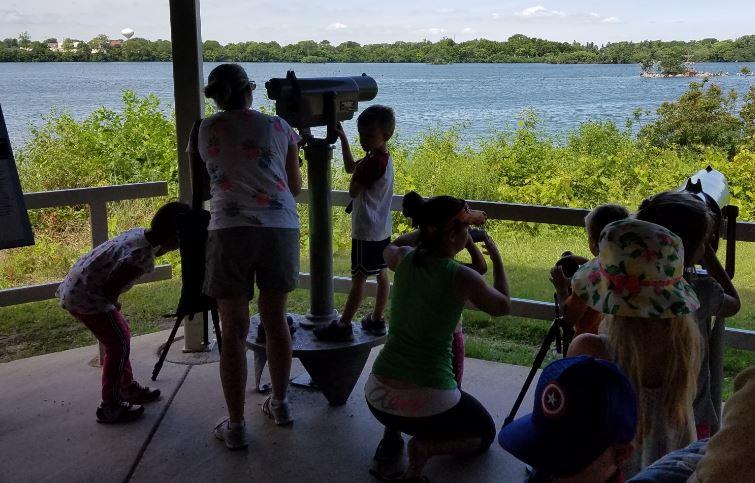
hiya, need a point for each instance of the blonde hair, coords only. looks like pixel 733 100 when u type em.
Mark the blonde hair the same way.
pixel 627 342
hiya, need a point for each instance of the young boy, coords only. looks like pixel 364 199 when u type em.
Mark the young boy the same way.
pixel 574 310
pixel 90 293
pixel 371 188
pixel 582 426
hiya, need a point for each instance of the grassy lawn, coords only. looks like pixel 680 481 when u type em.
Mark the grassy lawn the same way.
pixel 42 327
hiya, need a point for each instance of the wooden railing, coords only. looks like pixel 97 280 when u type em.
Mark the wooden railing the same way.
pixel 97 200
pixel 535 309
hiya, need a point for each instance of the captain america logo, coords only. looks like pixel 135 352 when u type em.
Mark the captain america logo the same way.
pixel 552 401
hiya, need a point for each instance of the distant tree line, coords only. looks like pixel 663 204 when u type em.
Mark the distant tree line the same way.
pixel 518 48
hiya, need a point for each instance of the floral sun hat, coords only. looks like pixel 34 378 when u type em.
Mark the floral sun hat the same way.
pixel 638 273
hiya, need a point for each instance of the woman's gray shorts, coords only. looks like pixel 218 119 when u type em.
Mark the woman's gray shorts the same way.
pixel 238 256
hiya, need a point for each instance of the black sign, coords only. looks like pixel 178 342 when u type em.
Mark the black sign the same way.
pixel 15 229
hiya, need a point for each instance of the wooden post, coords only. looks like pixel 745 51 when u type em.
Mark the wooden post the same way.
pixel 98 215
pixel 98 220
pixel 188 79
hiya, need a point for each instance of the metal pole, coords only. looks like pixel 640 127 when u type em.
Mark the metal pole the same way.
pixel 716 363
pixel 319 154
pixel 186 42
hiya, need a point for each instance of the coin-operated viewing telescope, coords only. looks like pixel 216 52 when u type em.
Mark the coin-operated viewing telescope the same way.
pixel 306 103
pixel 711 187
pixel 319 101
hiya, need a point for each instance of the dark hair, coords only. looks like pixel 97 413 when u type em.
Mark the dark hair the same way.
pixel 226 85
pixel 601 216
pixel 165 221
pixel 430 216
pixel 434 211
pixel 378 114
pixel 684 214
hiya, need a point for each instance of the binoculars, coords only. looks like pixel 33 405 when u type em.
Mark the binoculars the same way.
pixel 319 101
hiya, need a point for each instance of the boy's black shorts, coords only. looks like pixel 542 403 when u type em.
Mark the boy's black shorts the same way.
pixel 367 256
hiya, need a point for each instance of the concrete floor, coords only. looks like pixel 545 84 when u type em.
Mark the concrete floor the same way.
pixel 48 430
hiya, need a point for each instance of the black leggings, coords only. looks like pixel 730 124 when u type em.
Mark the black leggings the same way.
pixel 468 419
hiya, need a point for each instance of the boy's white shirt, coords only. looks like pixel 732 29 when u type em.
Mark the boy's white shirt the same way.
pixel 371 215
pixel 82 289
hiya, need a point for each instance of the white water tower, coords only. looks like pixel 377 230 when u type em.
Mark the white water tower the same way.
pixel 128 33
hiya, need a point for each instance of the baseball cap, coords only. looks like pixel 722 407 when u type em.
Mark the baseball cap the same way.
pixel 582 406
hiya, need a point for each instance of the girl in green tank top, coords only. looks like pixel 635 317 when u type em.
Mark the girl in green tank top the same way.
pixel 429 293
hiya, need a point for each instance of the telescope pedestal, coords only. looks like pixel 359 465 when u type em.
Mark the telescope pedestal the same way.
pixel 334 367
pixel 319 155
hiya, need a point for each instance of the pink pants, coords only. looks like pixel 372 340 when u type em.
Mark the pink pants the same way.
pixel 111 329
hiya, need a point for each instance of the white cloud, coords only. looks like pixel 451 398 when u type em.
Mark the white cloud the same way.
pixel 539 11
pixel 469 30
pixel 445 10
pixel 431 31
pixel 337 26
pixel 10 16
pixel 495 15
pixel 594 16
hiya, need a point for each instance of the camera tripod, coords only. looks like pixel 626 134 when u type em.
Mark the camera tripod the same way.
pixel 559 332
pixel 192 236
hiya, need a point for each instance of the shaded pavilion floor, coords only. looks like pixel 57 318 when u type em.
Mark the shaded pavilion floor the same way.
pixel 48 431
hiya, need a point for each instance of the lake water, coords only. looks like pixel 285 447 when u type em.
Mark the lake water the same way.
pixel 483 97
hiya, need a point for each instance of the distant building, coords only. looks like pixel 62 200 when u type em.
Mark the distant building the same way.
pixel 116 42
pixel 54 46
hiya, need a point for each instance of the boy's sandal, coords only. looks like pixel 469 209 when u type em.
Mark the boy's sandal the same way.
pixel 373 326
pixel 334 332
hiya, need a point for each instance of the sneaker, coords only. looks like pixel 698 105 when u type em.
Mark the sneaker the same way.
pixel 334 332
pixel 278 411
pixel 389 450
pixel 120 412
pixel 135 393
pixel 234 438
pixel 372 326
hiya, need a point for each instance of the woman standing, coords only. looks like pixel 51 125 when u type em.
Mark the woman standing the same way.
pixel 253 163
pixel 412 387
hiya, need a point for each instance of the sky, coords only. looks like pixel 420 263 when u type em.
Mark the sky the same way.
pixel 289 21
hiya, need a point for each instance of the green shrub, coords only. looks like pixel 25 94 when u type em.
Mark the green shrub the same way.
pixel 701 117
pixel 596 163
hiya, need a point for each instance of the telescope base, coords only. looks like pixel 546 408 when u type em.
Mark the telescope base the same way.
pixel 311 321
pixel 333 367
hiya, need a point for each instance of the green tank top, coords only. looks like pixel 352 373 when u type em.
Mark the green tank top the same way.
pixel 424 314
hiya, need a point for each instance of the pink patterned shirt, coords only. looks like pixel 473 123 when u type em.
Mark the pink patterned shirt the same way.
pixel 245 154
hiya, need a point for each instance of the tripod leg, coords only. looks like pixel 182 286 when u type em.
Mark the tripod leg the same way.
pixel 166 348
pixel 216 325
pixel 205 328
pixel 539 358
pixel 568 336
